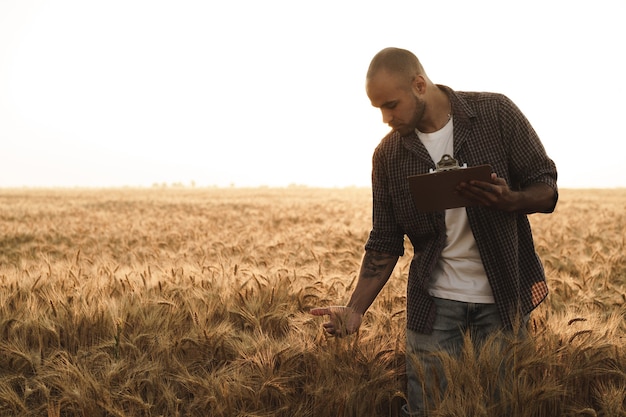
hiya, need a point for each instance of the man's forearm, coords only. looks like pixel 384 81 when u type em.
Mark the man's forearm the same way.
pixel 376 269
pixel 536 198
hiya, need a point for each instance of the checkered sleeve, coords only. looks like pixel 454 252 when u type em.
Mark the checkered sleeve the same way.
pixel 386 235
pixel 528 159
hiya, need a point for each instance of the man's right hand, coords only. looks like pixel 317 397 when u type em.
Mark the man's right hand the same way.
pixel 343 320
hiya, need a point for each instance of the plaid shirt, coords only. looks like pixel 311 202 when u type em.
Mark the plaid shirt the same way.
pixel 488 129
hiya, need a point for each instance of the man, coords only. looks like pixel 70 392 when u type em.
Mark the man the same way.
pixel 475 268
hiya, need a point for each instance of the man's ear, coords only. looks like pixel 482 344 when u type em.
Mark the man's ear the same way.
pixel 419 84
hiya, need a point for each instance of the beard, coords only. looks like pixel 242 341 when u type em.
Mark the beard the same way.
pixel 409 127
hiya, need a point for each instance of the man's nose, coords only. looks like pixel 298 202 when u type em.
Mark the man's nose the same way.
pixel 387 116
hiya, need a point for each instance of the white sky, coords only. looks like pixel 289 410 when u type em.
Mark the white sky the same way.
pixel 137 92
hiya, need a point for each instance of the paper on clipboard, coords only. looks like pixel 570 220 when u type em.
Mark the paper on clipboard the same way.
pixel 437 189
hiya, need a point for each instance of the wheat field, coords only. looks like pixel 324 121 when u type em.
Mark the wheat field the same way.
pixel 194 302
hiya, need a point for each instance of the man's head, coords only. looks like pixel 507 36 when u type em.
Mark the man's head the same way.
pixel 397 61
pixel 396 84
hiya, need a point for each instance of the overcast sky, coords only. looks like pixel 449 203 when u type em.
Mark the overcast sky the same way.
pixel 142 92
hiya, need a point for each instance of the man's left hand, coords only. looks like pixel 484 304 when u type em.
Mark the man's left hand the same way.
pixel 495 194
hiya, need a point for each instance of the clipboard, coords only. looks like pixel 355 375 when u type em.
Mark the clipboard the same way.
pixel 436 190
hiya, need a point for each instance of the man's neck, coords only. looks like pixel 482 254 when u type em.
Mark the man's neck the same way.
pixel 438 111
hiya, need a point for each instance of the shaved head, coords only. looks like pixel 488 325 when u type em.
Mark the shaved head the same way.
pixel 396 61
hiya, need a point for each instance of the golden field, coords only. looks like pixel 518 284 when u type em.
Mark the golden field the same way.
pixel 194 302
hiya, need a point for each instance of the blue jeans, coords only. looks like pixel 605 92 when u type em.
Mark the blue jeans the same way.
pixel 453 320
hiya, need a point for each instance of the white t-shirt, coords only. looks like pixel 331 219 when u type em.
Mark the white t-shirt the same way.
pixel 459 274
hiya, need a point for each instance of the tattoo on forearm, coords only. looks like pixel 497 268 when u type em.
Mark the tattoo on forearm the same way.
pixel 375 263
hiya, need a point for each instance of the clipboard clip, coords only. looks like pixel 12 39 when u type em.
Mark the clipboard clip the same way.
pixel 447 163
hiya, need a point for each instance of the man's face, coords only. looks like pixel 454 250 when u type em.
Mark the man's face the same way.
pixel 401 107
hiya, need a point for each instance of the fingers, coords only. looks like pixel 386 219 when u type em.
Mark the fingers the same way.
pixel 343 320
pixel 473 191
pixel 488 194
pixel 320 311
pixel 334 329
pixel 329 326
pixel 330 329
